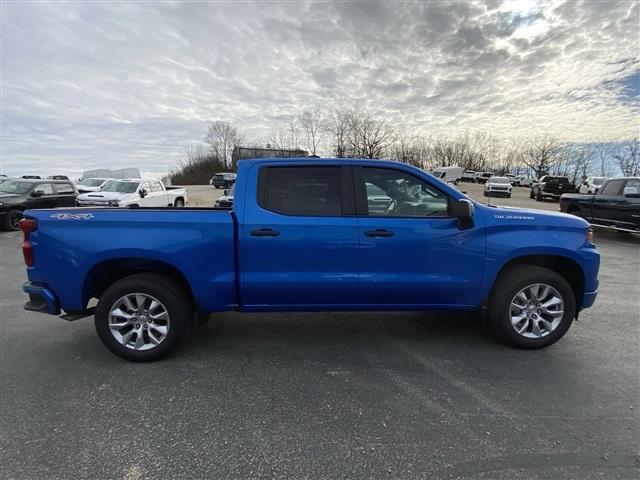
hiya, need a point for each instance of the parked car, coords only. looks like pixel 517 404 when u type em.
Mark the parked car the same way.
pixel 551 186
pixel 513 180
pixel 134 193
pixel 223 180
pixel 616 204
pixel 468 176
pixel 522 181
pixel 4 178
pixel 226 200
pixel 482 177
pixel 87 185
pixel 58 177
pixel 17 195
pixel 498 186
pixel 31 177
pixel 309 235
pixel 591 184
pixel 448 174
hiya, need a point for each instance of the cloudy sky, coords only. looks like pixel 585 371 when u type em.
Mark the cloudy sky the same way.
pixel 88 85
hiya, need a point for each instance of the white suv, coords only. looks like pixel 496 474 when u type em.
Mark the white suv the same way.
pixel 498 186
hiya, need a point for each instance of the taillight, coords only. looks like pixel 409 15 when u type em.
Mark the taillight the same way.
pixel 28 225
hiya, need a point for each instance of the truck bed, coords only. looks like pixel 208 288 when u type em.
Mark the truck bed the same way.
pixel 195 241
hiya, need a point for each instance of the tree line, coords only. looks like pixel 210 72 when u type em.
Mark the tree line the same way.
pixel 351 133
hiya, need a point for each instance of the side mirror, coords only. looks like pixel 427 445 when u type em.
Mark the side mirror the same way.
pixel 225 192
pixel 142 192
pixel 463 211
pixel 37 193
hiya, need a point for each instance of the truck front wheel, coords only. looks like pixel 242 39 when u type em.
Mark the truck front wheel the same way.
pixel 531 307
pixel 143 317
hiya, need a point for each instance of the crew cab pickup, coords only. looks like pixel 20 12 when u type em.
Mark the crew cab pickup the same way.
pixel 616 205
pixel 550 186
pixel 310 235
pixel 134 193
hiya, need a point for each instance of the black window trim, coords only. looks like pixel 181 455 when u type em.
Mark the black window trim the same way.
pixel 347 193
pixel 362 205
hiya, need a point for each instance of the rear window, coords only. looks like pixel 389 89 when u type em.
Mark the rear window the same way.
pixel 563 180
pixel 305 191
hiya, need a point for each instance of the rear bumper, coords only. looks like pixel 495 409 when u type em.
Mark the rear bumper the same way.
pixel 41 299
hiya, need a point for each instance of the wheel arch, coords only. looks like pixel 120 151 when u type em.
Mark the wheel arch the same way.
pixel 105 273
pixel 566 267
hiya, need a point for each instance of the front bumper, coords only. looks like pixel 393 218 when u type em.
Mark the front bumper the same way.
pixel 41 299
pixel 588 298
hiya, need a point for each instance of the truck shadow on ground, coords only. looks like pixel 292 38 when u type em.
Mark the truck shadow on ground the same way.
pixel 344 328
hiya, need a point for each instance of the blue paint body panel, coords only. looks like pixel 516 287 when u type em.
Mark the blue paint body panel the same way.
pixel 315 263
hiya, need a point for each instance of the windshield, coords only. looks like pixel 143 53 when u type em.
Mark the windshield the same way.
pixel 120 187
pixel 91 182
pixel 16 186
pixel 598 180
pixel 499 180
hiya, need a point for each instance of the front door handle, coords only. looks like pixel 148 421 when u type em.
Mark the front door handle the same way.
pixel 264 232
pixel 379 232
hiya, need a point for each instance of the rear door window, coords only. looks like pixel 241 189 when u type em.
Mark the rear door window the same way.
pixel 64 188
pixel 612 187
pixel 302 191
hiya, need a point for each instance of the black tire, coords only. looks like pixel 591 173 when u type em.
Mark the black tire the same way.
pixel 179 203
pixel 485 194
pixel 508 285
pixel 12 220
pixel 576 212
pixel 169 293
pixel 531 194
pixel 539 197
pixel 509 196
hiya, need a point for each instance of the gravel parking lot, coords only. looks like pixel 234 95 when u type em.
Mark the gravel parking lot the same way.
pixel 341 395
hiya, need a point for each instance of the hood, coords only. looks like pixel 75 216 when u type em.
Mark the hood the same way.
pixel 102 196
pixel 9 198
pixel 82 188
pixel 531 217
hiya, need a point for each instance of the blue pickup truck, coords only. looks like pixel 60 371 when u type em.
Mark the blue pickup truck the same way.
pixel 310 235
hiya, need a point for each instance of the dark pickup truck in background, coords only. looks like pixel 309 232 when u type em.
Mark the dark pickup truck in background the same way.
pixel 551 186
pixel 616 205
pixel 17 195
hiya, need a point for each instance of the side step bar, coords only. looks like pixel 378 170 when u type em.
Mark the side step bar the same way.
pixel 617 229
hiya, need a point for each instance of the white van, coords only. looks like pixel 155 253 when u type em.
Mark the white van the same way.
pixel 448 174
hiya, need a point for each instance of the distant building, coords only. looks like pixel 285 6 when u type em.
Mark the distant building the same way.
pixel 107 173
pixel 241 153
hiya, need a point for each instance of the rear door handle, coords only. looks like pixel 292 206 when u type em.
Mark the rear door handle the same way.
pixel 379 232
pixel 264 232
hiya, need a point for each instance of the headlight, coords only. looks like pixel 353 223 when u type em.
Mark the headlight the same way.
pixel 113 203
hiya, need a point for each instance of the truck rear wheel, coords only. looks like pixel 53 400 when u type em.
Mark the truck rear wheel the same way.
pixel 531 307
pixel 143 317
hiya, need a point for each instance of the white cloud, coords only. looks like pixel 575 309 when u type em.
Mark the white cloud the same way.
pixel 113 84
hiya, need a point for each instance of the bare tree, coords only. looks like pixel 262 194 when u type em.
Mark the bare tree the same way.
pixel 222 138
pixel 574 161
pixel 541 154
pixel 627 156
pixel 311 124
pixel 603 152
pixel 337 125
pixel 368 136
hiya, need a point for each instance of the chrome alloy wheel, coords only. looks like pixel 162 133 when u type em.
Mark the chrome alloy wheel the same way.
pixel 138 321
pixel 536 310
